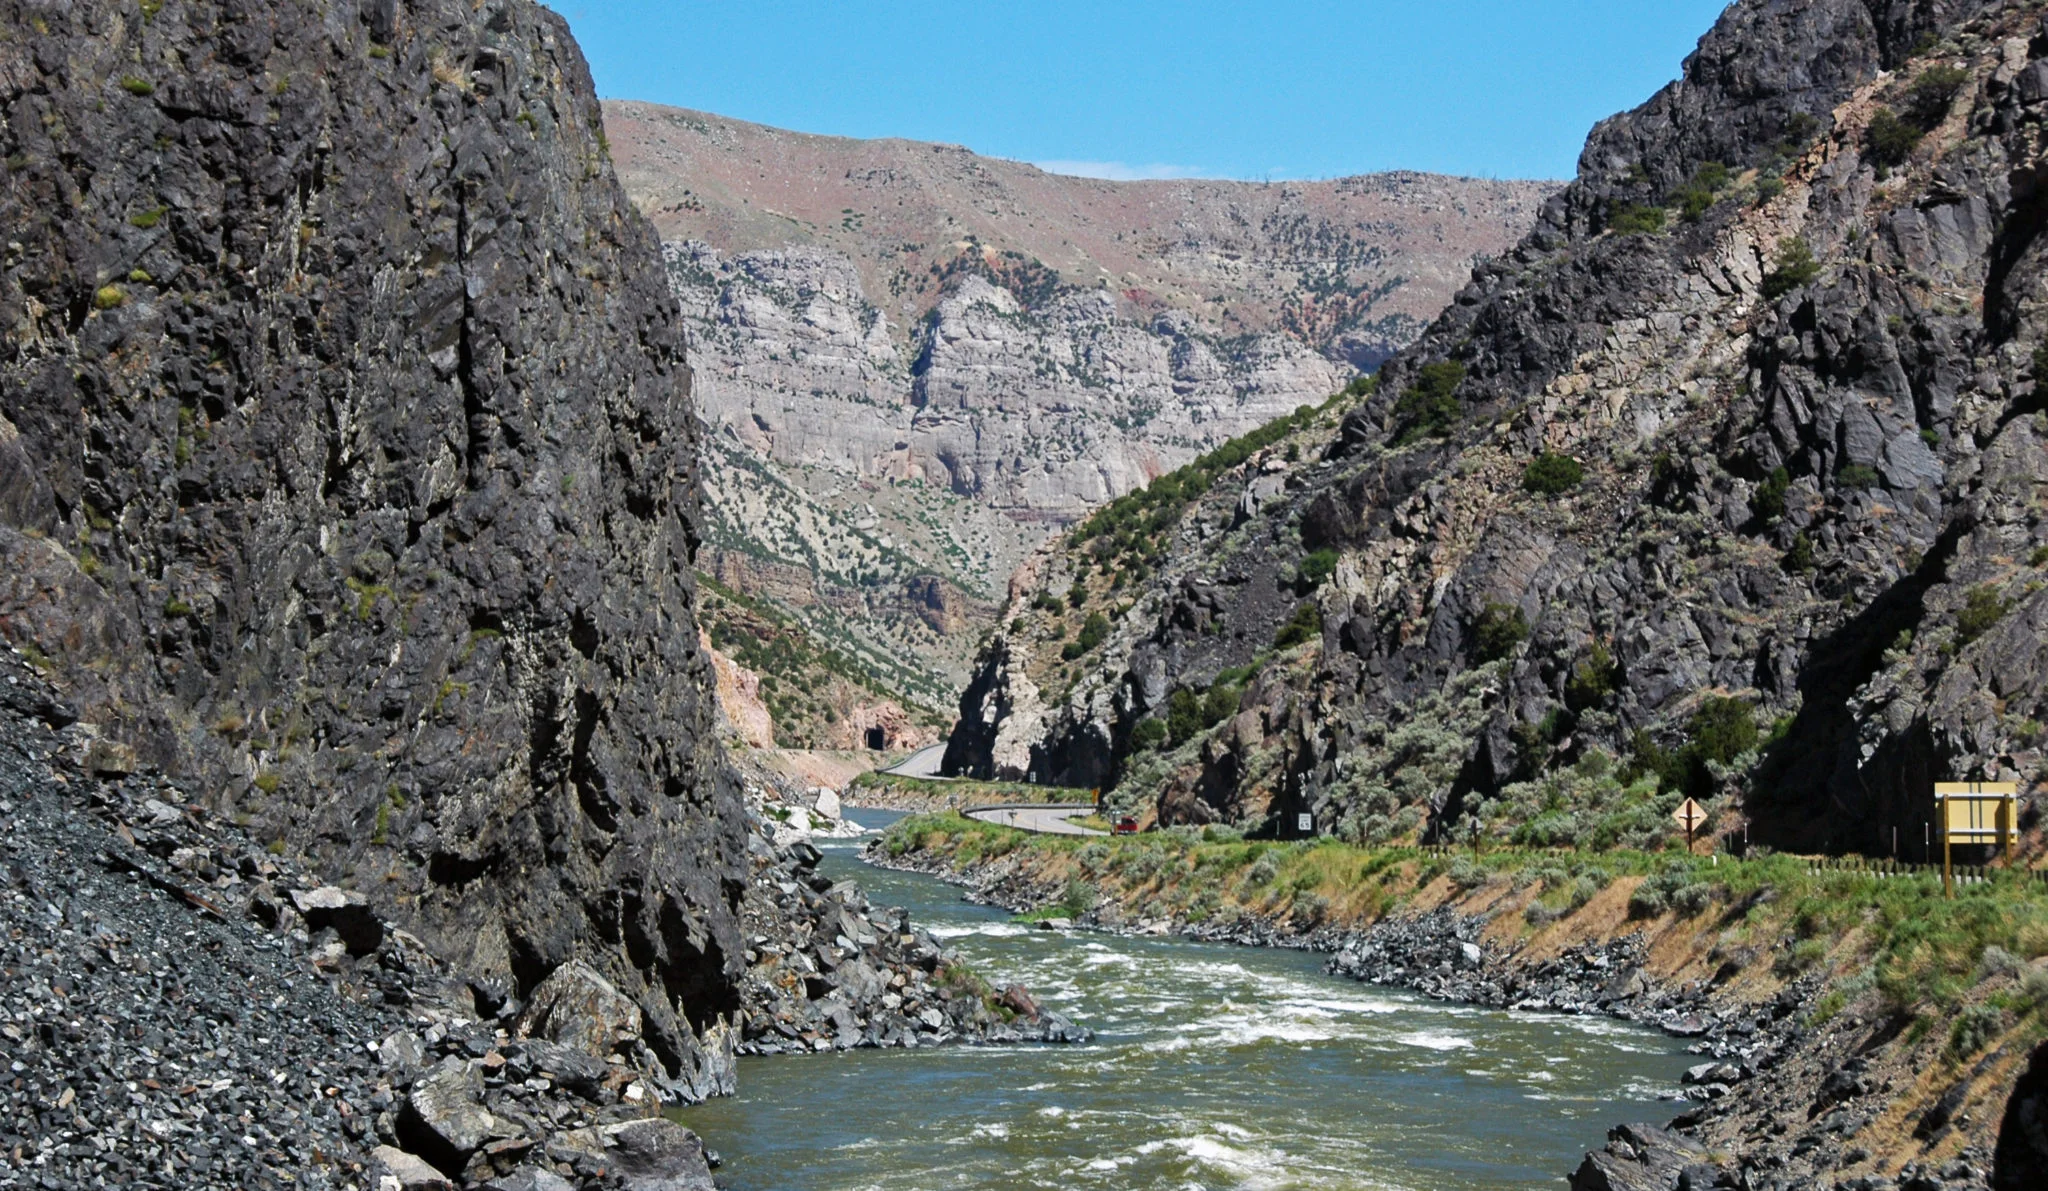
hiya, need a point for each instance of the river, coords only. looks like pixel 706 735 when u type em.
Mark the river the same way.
pixel 1213 1067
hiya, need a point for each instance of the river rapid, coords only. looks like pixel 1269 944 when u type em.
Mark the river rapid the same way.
pixel 1213 1067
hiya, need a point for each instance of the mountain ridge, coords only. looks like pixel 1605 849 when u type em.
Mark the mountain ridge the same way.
pixel 915 362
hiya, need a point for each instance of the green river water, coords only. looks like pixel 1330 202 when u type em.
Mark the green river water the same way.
pixel 1213 1067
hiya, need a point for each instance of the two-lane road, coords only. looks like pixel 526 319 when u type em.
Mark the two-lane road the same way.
pixel 1048 819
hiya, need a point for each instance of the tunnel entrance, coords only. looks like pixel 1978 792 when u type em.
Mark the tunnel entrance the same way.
pixel 877 739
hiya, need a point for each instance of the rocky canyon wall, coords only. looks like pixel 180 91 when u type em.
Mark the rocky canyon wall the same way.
pixel 1724 483
pixel 348 468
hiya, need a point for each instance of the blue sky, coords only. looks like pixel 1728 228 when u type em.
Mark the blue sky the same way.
pixel 1282 89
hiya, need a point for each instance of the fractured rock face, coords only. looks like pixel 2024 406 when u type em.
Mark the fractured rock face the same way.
pixel 580 1009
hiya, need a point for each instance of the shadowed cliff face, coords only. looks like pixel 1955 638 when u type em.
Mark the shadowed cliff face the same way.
pixel 1807 485
pixel 347 465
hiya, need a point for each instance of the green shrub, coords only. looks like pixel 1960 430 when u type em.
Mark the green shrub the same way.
pixel 1722 729
pixel 1793 268
pixel 1695 197
pixel 1594 678
pixel 1857 475
pixel 1183 716
pixel 1769 503
pixel 2039 558
pixel 1975 1028
pixel 1891 140
pixel 1305 625
pixel 148 219
pixel 1429 408
pixel 1552 474
pixel 1149 734
pixel 1799 557
pixel 107 297
pixel 1079 898
pixel 1982 608
pixel 1635 220
pixel 135 85
pixel 1316 568
pixel 1094 631
pixel 1934 91
pixel 1499 631
pixel 1219 704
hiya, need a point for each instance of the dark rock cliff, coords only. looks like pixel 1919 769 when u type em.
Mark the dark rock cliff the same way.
pixel 1784 326
pixel 347 468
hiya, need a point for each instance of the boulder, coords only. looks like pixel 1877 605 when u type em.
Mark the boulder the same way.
pixel 828 803
pixel 531 1178
pixel 396 1170
pixel 444 1119
pixel 1638 1158
pixel 347 913
pixel 1017 999
pixel 579 1008
pixel 659 1155
pixel 565 1066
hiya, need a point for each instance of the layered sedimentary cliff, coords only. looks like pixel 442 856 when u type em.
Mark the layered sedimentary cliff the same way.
pixel 348 471
pixel 1724 482
pixel 913 359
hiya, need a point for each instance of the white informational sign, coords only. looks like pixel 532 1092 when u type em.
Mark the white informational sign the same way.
pixel 1306 822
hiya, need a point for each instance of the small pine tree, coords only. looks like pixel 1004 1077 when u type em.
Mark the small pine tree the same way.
pixel 1891 140
pixel 1793 268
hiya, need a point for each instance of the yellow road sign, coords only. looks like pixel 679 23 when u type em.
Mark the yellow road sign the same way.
pixel 1978 816
pixel 1976 813
pixel 1690 816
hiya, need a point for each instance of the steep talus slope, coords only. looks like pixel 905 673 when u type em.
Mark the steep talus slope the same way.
pixel 349 468
pixel 1725 483
pixel 914 360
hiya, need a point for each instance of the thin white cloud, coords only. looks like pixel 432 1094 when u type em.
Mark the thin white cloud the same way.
pixel 1117 171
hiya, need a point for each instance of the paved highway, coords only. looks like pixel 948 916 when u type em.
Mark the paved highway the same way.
pixel 922 763
pixel 1047 820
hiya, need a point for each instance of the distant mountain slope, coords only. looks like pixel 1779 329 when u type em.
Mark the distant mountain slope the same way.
pixel 1352 265
pixel 915 359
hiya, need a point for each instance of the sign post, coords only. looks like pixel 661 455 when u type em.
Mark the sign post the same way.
pixel 1975 813
pixel 1691 817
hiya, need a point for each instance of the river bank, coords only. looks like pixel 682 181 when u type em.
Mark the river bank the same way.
pixel 1849 1026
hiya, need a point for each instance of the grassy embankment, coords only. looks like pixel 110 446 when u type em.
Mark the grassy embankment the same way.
pixel 898 791
pixel 1972 968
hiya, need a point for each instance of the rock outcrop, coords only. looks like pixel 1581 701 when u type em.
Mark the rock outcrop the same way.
pixel 1744 434
pixel 348 470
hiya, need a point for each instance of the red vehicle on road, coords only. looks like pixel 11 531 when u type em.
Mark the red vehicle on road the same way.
pixel 1124 826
